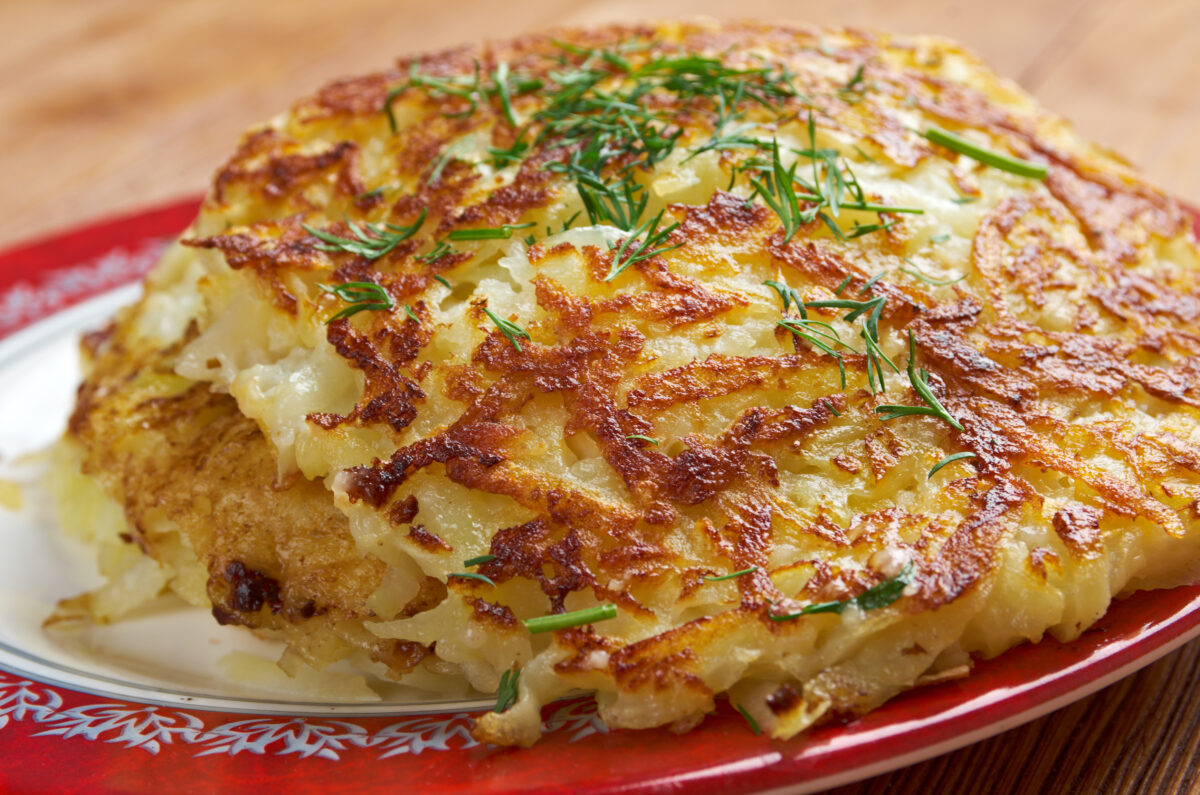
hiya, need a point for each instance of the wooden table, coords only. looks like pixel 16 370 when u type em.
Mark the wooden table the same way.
pixel 110 106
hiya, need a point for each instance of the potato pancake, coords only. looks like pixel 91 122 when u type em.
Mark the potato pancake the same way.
pixel 666 362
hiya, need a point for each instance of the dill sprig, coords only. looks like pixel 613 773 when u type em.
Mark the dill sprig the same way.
pixel 503 232
pixel 476 561
pixel 731 575
pixel 870 310
pixel 833 187
pixel 778 190
pixel 360 296
pixel 641 438
pixel 820 335
pixel 643 243
pixel 854 88
pixel 789 295
pixel 469 88
pixel 950 459
pixel 875 597
pixel 443 159
pixel 575 618
pixel 506 693
pixel 920 383
pixel 1003 162
pixel 509 329
pixel 915 272
pixel 371 241
pixel 440 249
pixel 749 719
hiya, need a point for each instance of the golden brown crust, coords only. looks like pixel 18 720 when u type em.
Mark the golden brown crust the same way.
pixel 652 425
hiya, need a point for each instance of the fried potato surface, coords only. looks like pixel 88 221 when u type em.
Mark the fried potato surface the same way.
pixel 820 360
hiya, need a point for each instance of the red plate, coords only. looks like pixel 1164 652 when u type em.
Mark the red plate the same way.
pixel 53 738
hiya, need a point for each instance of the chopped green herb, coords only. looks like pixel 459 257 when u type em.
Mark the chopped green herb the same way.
pixel 789 295
pixel 872 309
pixel 506 694
pixel 1013 165
pixel 863 154
pixel 642 438
pixel 832 408
pixel 942 238
pixel 513 154
pixel 778 190
pixel 871 282
pixel 749 719
pixel 469 562
pixel 820 335
pixel 965 199
pixel 370 240
pixel 504 232
pixel 408 310
pixel 575 618
pixel 950 459
pixel 920 383
pixel 916 274
pixel 731 575
pixel 441 249
pixel 649 241
pixel 443 160
pixel 845 283
pixel 470 575
pixel 530 240
pixel 500 80
pixel 509 329
pixel 370 194
pixel 853 90
pixel 442 280
pixel 360 296
pixel 875 597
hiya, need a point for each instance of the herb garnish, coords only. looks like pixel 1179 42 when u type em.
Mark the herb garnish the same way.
pixel 506 693
pixel 916 274
pixel 731 575
pixel 441 249
pixel 372 242
pixel 360 296
pixel 950 459
pixel 509 329
pixel 871 309
pixel 642 438
pixel 854 88
pixel 869 283
pixel 647 237
pixel 575 618
pixel 749 719
pixel 469 562
pixel 875 597
pixel 442 280
pixel 834 188
pixel 408 310
pixel 504 232
pixel 1013 165
pixel 778 190
pixel 821 335
pixel 789 295
pixel 920 383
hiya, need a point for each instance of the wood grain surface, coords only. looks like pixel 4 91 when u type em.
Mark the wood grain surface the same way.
pixel 111 105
